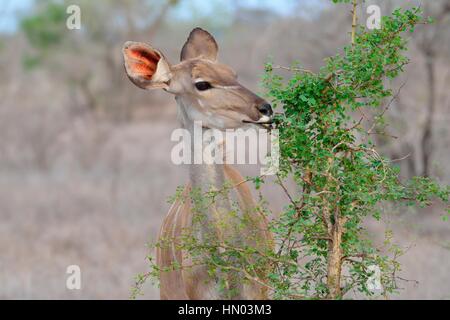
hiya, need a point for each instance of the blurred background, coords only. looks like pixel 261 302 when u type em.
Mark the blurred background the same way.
pixel 85 170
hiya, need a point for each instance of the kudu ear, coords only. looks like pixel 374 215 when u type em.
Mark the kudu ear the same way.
pixel 146 67
pixel 200 44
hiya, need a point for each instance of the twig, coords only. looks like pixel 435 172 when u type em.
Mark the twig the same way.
pixel 387 107
pixel 382 134
pixel 402 158
pixel 293 69
pixel 408 280
pixel 354 21
pixel 356 124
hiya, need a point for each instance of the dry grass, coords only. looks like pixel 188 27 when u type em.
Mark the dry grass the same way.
pixel 101 216
pixel 78 189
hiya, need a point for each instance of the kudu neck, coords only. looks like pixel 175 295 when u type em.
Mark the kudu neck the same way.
pixel 208 176
pixel 203 175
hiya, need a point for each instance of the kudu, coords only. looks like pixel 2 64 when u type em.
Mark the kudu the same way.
pixel 206 91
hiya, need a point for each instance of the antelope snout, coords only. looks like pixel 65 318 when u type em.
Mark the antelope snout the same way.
pixel 266 112
pixel 265 109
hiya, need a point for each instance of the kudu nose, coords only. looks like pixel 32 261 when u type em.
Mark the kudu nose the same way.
pixel 265 109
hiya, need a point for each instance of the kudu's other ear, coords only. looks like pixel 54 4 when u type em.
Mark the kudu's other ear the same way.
pixel 146 67
pixel 200 44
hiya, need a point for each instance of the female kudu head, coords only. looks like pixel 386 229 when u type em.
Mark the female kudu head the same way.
pixel 208 89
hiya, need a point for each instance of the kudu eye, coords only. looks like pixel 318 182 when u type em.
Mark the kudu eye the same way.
pixel 203 85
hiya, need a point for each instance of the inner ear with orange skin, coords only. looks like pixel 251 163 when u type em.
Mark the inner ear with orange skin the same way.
pixel 142 62
pixel 146 67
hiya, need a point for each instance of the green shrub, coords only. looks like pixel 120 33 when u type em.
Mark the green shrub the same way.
pixel 322 248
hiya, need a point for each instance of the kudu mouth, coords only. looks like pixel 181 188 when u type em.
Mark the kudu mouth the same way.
pixel 266 113
pixel 266 124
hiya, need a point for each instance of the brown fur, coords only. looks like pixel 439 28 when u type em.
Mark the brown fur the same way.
pixel 226 105
pixel 188 283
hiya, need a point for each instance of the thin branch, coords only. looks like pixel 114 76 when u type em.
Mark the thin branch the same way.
pixel 382 134
pixel 354 21
pixel 293 202
pixel 402 158
pixel 386 108
pixel 356 124
pixel 293 69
